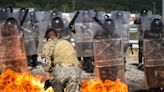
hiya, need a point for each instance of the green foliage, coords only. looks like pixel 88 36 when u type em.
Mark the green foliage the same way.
pixel 133 6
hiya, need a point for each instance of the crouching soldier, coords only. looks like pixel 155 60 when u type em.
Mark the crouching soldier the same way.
pixel 62 63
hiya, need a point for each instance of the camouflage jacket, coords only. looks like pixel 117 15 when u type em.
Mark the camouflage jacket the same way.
pixel 58 51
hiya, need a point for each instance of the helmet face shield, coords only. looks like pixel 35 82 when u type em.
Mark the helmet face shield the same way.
pixel 57 24
pixel 156 25
pixel 144 12
pixel 10 27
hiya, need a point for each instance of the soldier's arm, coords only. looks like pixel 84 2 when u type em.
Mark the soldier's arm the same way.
pixel 48 51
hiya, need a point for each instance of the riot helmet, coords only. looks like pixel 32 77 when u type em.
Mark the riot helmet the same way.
pixel 109 24
pixel 33 16
pixel 57 24
pixel 86 15
pixel 10 27
pixel 119 15
pixel 144 12
pixel 3 13
pixel 156 25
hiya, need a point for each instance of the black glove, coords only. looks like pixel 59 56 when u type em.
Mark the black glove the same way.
pixel 47 84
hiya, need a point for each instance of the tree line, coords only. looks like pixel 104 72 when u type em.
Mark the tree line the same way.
pixel 133 6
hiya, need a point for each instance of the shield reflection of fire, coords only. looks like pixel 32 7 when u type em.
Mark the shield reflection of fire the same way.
pixel 107 86
pixel 16 82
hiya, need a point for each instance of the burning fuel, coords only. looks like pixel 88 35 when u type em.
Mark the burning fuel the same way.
pixel 16 82
pixel 11 81
pixel 107 86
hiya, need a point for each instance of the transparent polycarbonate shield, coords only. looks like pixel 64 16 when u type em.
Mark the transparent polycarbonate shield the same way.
pixel 153 44
pixel 108 57
pixel 29 34
pixel 153 51
pixel 122 18
pixel 154 62
pixel 85 29
pixel 41 26
pixel 12 55
pixel 108 53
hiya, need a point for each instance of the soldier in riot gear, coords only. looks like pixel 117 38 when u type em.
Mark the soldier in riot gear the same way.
pixel 153 55
pixel 108 59
pixel 144 12
pixel 27 24
pixel 57 24
pixel 141 30
pixel 13 54
pixel 84 33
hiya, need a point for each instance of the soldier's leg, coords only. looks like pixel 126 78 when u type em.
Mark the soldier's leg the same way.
pixel 89 64
pixel 140 65
pixel 29 60
pixel 140 51
pixel 57 78
pixel 73 85
pixel 84 64
pixel 125 63
pixel 34 60
pixel 57 85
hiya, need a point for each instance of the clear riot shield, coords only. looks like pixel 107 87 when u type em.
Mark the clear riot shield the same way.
pixel 84 33
pixel 154 57
pixel 29 35
pixel 41 25
pixel 125 28
pixel 12 54
pixel 153 54
pixel 108 52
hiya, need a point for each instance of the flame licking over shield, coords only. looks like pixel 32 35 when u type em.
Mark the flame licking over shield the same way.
pixel 21 82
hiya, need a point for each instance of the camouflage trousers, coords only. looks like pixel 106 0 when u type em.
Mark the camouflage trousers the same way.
pixel 66 79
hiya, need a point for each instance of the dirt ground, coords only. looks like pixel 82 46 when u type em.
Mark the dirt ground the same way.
pixel 134 77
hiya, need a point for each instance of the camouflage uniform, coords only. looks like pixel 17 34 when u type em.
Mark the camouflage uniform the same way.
pixel 61 60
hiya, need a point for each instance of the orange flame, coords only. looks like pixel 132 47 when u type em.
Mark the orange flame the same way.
pixel 16 82
pixel 107 86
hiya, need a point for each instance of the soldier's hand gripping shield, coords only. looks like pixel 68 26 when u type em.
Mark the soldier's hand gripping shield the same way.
pixel 154 55
pixel 108 52
pixel 84 33
pixel 12 53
